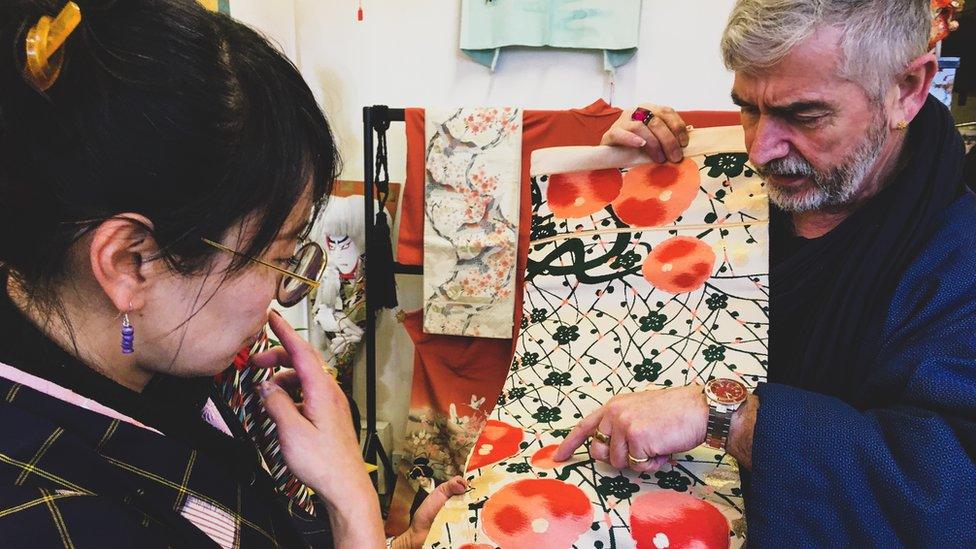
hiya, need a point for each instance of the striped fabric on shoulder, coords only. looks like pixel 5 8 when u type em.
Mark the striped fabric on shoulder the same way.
pixel 218 524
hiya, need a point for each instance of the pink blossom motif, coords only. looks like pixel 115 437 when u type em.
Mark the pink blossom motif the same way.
pixel 471 221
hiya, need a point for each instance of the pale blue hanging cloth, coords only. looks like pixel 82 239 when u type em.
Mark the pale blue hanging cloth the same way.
pixel 612 26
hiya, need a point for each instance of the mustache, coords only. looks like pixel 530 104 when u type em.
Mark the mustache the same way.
pixel 787 166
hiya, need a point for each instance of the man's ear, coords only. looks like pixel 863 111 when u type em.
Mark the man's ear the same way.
pixel 119 254
pixel 913 87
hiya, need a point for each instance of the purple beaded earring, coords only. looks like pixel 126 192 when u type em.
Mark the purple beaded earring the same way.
pixel 128 333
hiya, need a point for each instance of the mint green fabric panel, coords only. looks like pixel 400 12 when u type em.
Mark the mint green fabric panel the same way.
pixel 612 25
pixel 484 57
pixel 614 58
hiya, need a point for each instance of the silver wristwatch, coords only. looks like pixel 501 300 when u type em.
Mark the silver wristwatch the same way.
pixel 724 397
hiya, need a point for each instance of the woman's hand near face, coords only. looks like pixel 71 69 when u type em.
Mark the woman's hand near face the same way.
pixel 318 439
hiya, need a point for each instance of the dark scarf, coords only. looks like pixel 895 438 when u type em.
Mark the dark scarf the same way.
pixel 830 296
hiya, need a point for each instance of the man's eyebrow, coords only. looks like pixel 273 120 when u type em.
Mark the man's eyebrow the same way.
pixel 789 108
pixel 802 106
pixel 739 102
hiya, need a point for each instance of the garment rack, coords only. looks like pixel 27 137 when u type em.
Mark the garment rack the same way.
pixel 374 118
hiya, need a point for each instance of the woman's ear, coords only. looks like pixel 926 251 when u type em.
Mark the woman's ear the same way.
pixel 119 254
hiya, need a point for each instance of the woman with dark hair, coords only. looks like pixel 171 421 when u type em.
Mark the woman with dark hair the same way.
pixel 157 174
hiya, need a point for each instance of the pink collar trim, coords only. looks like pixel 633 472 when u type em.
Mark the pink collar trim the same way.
pixel 54 390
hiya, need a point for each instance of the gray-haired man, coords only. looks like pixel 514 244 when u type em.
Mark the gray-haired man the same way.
pixel 866 431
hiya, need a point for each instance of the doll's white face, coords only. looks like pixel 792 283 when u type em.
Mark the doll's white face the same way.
pixel 343 253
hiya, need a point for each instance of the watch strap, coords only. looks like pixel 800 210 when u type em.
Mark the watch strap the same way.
pixel 719 423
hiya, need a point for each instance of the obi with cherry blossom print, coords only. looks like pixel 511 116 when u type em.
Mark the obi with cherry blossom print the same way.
pixel 471 212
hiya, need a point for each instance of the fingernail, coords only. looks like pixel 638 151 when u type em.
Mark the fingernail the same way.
pixel 642 142
pixel 276 313
pixel 263 389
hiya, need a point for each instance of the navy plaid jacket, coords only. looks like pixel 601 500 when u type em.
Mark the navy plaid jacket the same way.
pixel 75 478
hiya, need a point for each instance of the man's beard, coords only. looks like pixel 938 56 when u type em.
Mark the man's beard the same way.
pixel 836 186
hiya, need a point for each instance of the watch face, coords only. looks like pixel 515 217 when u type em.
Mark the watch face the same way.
pixel 726 391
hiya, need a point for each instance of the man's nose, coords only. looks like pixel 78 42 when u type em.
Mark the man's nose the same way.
pixel 770 141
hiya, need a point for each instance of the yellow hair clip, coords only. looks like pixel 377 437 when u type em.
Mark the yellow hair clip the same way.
pixel 44 40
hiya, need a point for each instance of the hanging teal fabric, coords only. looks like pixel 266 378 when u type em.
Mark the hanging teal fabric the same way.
pixel 612 26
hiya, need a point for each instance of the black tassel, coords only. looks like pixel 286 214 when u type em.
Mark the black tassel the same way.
pixel 381 283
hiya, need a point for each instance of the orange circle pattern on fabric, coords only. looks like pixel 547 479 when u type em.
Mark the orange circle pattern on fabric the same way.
pixel 669 519
pixel 657 194
pixel 497 441
pixel 679 265
pixel 579 194
pixel 535 513
pixel 542 459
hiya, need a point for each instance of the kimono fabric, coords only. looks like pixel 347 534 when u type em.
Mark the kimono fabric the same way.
pixel 451 372
pixel 865 434
pixel 449 405
pixel 640 276
pixel 237 388
pixel 484 360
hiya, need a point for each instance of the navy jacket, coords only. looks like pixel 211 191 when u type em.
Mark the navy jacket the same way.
pixel 827 473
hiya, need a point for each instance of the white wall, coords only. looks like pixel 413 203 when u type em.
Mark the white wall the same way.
pixel 405 54
pixel 274 18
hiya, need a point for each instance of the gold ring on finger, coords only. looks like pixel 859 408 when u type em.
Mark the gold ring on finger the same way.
pixel 601 436
pixel 637 460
